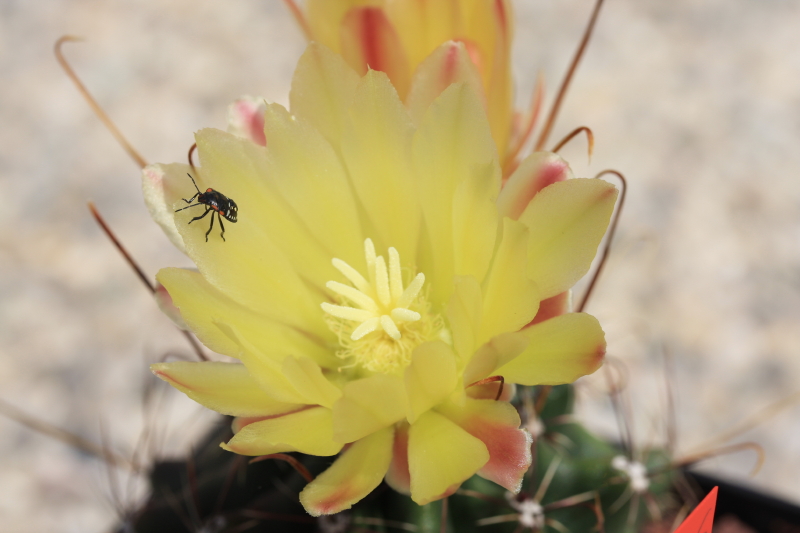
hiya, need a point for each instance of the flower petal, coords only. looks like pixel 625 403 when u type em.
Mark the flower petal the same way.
pixel 448 64
pixel 167 306
pixel 369 40
pixel 554 306
pixel 356 473
pixel 436 471
pixel 368 405
pixel 496 424
pixel 561 350
pixel 567 221
pixel 159 194
pixel 510 298
pixel 306 171
pixel 430 377
pixel 494 354
pixel 398 476
pixel 203 308
pixel 376 145
pixel 536 172
pixel 464 315
pixel 307 378
pixel 307 431
pixel 269 230
pixel 246 119
pixel 226 388
pixel 457 179
pixel 323 87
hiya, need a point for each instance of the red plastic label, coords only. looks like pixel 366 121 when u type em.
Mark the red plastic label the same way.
pixel 702 518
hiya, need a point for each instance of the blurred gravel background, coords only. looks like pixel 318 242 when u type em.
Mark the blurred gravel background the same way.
pixel 698 103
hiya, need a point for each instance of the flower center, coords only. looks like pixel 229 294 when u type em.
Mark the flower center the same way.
pixel 387 320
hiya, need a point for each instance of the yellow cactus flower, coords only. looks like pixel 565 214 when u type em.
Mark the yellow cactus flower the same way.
pixel 375 279
pixel 398 37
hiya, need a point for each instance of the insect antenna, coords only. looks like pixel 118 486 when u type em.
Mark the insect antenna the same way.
pixel 140 273
pixel 98 111
pixel 562 90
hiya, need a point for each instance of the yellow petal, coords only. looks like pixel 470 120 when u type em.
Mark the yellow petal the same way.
pixel 268 225
pixel 510 299
pixel 265 370
pixel 448 64
pixel 496 424
pixel 430 377
pixel 536 172
pixel 159 194
pixel 306 431
pixel 441 456
pixel 325 18
pixel 494 354
pixel 377 149
pixel 369 40
pixel 567 221
pixel 322 91
pixel 203 308
pixel 246 119
pixel 226 388
pixel 458 179
pixel 464 315
pixel 306 171
pixel 356 473
pixel 368 405
pixel 423 26
pixel 307 378
pixel 561 350
pixel 249 267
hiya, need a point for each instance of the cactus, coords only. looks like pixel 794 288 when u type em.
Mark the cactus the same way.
pixel 573 482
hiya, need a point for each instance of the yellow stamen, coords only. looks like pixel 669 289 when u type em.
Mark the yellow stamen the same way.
pixel 387 320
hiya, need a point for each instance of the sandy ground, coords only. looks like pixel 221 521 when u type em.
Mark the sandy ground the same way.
pixel 698 103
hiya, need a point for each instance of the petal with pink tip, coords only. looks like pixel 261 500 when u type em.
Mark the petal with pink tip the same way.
pixel 352 476
pixel 496 424
pixel 167 306
pixel 554 306
pixel 436 471
pixel 246 119
pixel 322 91
pixel 370 41
pixel 567 221
pixel 160 192
pixel 306 431
pixel 448 64
pixel 430 377
pixel 398 476
pixel 368 405
pixel 536 172
pixel 226 388
pixel 561 350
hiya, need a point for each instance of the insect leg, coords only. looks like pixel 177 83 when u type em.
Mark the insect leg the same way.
pixel 212 224
pixel 188 206
pixel 190 200
pixel 221 225
pixel 208 209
